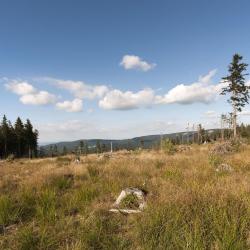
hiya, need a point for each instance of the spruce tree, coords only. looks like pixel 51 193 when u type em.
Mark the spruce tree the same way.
pixel 20 136
pixel 237 88
pixel 31 138
pixel 5 135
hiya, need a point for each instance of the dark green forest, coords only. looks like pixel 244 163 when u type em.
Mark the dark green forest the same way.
pixel 18 140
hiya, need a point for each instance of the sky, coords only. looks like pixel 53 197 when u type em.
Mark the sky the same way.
pixel 118 69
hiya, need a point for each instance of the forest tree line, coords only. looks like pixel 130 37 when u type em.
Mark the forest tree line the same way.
pixel 200 136
pixel 18 140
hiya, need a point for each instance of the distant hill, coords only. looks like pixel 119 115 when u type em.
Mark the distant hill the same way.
pixel 147 141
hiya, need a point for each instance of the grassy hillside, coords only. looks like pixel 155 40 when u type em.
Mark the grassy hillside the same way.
pixel 58 204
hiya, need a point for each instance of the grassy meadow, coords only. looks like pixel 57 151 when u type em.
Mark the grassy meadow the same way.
pixel 54 203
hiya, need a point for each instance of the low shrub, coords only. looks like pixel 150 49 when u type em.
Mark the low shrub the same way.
pixel 168 146
pixel 10 158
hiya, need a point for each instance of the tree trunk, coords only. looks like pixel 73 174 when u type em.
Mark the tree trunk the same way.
pixel 5 148
pixel 222 129
pixel 234 119
pixel 29 152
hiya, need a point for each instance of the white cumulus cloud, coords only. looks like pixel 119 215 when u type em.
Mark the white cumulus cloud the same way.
pixel 20 88
pixel 70 106
pixel 29 95
pixel 202 91
pixel 38 98
pixel 135 62
pixel 79 89
pixel 116 99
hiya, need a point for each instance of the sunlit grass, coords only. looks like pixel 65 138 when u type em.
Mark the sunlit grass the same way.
pixel 57 204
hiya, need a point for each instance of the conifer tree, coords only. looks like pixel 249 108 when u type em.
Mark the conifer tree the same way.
pixel 31 138
pixel 20 136
pixel 5 135
pixel 237 88
pixel 19 140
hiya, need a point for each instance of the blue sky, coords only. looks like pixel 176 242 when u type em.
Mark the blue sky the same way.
pixel 118 69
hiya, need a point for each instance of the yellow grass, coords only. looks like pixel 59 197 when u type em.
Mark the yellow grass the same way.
pixel 63 205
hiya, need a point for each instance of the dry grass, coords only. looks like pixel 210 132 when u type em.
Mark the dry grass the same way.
pixel 57 204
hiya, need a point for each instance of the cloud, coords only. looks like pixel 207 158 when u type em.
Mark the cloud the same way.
pixel 210 114
pixel 202 91
pixel 245 112
pixel 38 98
pixel 135 62
pixel 206 79
pixel 79 89
pixel 70 106
pixel 116 99
pixel 20 88
pixel 29 95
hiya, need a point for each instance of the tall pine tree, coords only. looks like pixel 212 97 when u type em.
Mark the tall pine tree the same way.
pixel 20 136
pixel 238 90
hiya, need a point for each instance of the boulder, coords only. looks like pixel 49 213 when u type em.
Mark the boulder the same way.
pixel 138 193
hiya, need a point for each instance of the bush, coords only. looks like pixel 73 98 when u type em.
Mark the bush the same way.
pixel 10 158
pixel 168 146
